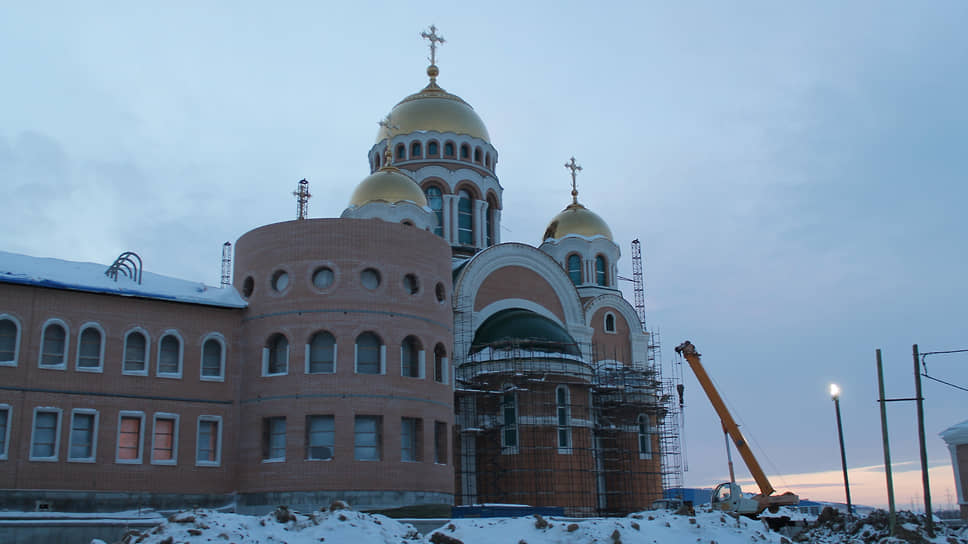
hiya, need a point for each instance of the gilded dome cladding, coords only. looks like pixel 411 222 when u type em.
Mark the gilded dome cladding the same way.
pixel 577 219
pixel 388 185
pixel 434 109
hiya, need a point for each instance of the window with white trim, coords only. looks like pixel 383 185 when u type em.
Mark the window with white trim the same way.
pixel 367 438
pixel 370 354
pixel 465 218
pixel 9 340
pixel 45 434
pixel 321 354
pixel 601 271
pixel 274 439
pixel 82 445
pixel 609 322
pixel 275 356
pixel 440 442
pixel 208 442
pixel 411 358
pixel 320 437
pixel 164 439
pixel 53 345
pixel 170 355
pixel 90 348
pixel 563 405
pixel 645 437
pixel 4 430
pixel 131 435
pixel 411 437
pixel 509 416
pixel 135 353
pixel 435 201
pixel 574 268
pixel 213 358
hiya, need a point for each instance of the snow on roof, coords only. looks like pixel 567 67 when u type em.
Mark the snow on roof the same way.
pixel 956 434
pixel 89 277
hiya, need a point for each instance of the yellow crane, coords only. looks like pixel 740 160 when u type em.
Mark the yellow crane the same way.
pixel 728 496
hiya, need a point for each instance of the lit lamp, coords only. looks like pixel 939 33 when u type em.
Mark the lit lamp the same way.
pixel 835 394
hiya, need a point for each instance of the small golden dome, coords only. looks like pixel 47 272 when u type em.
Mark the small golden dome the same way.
pixel 577 219
pixel 434 109
pixel 388 185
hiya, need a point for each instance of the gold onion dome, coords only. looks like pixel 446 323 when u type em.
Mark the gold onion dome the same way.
pixel 434 109
pixel 577 219
pixel 388 185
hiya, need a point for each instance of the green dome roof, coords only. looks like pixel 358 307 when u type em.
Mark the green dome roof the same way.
pixel 518 328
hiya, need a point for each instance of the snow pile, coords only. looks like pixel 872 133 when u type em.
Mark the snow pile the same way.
pixel 281 526
pixel 832 528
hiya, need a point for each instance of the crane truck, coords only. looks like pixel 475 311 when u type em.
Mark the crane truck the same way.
pixel 728 496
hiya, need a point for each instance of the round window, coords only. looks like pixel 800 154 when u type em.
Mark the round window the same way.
pixel 248 285
pixel 439 291
pixel 280 280
pixel 323 277
pixel 370 278
pixel 411 284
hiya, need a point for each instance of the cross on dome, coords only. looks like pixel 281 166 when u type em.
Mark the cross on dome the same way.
pixel 434 40
pixel 575 168
pixel 388 125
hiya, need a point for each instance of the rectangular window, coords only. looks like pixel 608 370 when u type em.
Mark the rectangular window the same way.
pixel 130 437
pixel 164 439
pixel 83 440
pixel 45 438
pixel 320 437
pixel 411 438
pixel 208 449
pixel 4 429
pixel 440 443
pixel 274 439
pixel 368 438
pixel 509 407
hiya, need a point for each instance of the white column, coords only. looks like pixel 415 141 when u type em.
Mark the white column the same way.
pixel 479 222
pixel 497 226
pixel 450 218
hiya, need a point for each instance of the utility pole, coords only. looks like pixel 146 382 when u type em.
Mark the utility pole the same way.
pixel 887 443
pixel 929 521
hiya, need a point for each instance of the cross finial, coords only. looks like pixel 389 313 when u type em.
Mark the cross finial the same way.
pixel 302 199
pixel 575 168
pixel 434 40
pixel 387 124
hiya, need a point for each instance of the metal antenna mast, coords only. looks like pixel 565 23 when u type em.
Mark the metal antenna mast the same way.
pixel 637 280
pixel 302 199
pixel 226 264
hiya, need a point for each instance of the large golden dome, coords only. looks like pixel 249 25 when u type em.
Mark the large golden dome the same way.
pixel 388 185
pixel 435 109
pixel 577 219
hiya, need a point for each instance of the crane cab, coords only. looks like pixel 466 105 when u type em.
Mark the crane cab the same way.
pixel 729 497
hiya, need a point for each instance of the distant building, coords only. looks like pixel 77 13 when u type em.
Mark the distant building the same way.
pixel 397 355
pixel 956 437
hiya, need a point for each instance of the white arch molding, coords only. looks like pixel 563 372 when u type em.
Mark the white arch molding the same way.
pixel 638 340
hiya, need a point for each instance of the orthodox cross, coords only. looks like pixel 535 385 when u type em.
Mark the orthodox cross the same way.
pixel 302 199
pixel 573 166
pixel 389 127
pixel 434 40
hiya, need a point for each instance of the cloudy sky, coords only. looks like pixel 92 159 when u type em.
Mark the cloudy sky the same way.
pixel 796 174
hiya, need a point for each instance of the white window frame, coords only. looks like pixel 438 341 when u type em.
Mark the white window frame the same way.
pixel 308 445
pixel 605 323
pixel 566 449
pixel 421 361
pixel 6 437
pixel 94 429
pixel 644 454
pixel 218 441
pixel 265 357
pixel 309 352
pixel 174 438
pixel 379 438
pixel 77 356
pixel 124 353
pixel 383 356
pixel 446 444
pixel 217 337
pixel 505 448
pixel 67 345
pixel 285 435
pixel 57 434
pixel 16 340
pixel 141 438
pixel 181 355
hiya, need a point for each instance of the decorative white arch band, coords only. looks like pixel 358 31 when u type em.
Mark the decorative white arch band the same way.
pixel 638 340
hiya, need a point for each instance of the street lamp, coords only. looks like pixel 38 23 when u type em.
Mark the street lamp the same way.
pixel 835 394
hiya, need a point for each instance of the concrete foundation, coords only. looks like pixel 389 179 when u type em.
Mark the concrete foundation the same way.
pixel 307 501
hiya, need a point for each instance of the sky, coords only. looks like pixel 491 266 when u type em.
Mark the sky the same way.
pixel 795 173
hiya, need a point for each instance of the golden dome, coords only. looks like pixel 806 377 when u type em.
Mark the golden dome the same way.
pixel 388 185
pixel 434 109
pixel 577 219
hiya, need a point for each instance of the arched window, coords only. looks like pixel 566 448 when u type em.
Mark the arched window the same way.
pixel 432 147
pixel 574 268
pixel 487 160
pixel 376 162
pixel 449 149
pixel 411 353
pixel 369 354
pixel 609 322
pixel 9 341
pixel 416 150
pixel 401 152
pixel 465 218
pixel 601 274
pixel 509 419
pixel 477 154
pixel 90 350
pixel 169 356
pixel 435 200
pixel 465 151
pixel 275 356
pixel 53 345
pixel 135 353
pixel 440 363
pixel 322 354
pixel 490 222
pixel 563 404
pixel 645 437
pixel 213 359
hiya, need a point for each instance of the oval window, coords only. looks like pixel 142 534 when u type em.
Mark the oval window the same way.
pixel 411 284
pixel 370 278
pixel 323 277
pixel 440 292
pixel 280 280
pixel 248 285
